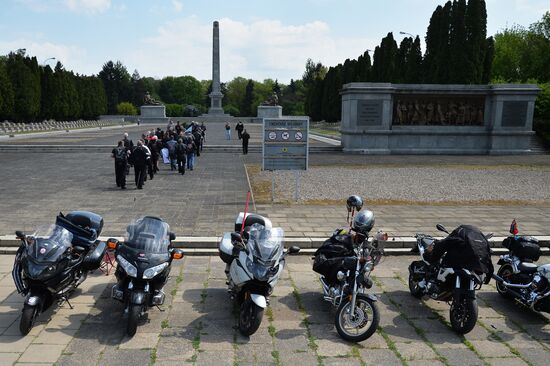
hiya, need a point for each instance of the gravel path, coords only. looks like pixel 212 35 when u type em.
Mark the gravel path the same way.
pixel 417 184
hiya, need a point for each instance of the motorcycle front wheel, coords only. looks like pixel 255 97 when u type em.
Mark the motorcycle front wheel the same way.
pixel 504 272
pixel 250 317
pixel 415 290
pixel 463 315
pixel 27 319
pixel 362 324
pixel 134 312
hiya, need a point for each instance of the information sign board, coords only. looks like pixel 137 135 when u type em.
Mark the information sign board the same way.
pixel 285 143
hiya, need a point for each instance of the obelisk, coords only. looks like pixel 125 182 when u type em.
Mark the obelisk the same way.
pixel 216 94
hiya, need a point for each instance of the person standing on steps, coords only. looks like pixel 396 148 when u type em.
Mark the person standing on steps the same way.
pixel 245 137
pixel 239 127
pixel 227 131
pixel 120 155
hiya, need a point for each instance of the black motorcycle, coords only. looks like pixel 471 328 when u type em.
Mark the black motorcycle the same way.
pixel 144 261
pixel 521 279
pixel 51 263
pixel 456 286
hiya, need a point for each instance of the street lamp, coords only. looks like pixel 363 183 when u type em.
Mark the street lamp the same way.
pixel 48 59
pixel 406 34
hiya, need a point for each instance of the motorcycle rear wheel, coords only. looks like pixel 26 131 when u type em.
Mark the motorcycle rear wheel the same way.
pixel 504 272
pixel 463 315
pixel 27 319
pixel 250 317
pixel 134 313
pixel 366 311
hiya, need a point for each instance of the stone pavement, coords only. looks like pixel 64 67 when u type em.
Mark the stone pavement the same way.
pixel 198 325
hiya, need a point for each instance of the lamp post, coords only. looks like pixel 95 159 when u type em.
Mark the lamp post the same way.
pixel 48 59
pixel 405 33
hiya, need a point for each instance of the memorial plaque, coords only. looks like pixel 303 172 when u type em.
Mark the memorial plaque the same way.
pixel 369 113
pixel 514 114
pixel 285 144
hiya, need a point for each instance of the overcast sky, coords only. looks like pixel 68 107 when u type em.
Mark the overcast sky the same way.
pixel 259 39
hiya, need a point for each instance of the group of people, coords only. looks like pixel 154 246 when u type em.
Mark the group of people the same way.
pixel 241 134
pixel 177 146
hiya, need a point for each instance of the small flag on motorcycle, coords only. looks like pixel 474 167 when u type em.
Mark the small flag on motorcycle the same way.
pixel 514 228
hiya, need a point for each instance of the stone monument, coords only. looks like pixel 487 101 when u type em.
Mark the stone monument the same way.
pixel 216 96
pixel 270 108
pixel 152 111
pixel 381 118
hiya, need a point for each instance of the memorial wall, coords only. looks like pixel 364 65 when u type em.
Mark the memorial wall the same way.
pixel 382 118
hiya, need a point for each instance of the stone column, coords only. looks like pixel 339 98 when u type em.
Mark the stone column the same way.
pixel 216 95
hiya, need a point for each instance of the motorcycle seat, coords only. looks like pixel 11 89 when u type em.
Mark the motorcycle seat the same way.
pixel 527 267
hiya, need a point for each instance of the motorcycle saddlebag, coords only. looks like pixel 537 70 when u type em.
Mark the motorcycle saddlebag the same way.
pixel 93 259
pixel 80 224
pixel 226 248
pixel 523 247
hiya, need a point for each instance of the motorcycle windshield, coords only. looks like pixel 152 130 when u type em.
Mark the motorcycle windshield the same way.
pixel 148 234
pixel 266 246
pixel 49 243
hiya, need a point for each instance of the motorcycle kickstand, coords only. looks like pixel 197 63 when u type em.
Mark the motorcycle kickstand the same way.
pixel 160 309
pixel 67 301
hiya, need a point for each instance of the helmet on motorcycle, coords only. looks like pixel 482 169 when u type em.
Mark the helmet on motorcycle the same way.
pixel 354 202
pixel 363 222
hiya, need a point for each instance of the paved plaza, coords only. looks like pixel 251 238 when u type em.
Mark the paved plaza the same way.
pixel 197 325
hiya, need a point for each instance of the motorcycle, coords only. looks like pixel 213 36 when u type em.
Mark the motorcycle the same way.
pixel 345 280
pixel 519 278
pixel 144 261
pixel 53 261
pixel 254 263
pixel 456 286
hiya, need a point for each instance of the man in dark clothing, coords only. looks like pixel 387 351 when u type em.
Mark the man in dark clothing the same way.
pixel 189 142
pixel 197 137
pixel 140 164
pixel 181 153
pixel 466 247
pixel 239 127
pixel 120 155
pixel 245 136
pixel 129 145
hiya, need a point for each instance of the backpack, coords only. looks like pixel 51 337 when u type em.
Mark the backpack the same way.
pixel 120 155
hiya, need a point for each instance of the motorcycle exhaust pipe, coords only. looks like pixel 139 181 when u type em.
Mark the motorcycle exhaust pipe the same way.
pixel 507 284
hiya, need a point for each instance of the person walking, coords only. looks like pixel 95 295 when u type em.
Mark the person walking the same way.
pixel 203 134
pixel 190 150
pixel 245 138
pixel 120 155
pixel 171 145
pixel 227 131
pixel 140 164
pixel 239 127
pixel 181 155
pixel 197 137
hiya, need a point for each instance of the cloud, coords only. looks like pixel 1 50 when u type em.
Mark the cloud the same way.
pixel 72 57
pixel 88 6
pixel 262 48
pixel 178 5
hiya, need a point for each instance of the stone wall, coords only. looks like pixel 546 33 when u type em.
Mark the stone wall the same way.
pixel 382 118
pixel 8 128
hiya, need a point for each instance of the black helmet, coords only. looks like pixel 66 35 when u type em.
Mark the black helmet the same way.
pixel 363 222
pixel 354 202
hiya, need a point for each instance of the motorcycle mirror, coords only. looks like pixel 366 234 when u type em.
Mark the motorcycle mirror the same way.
pixel 172 236
pixel 177 254
pixel 19 235
pixel 112 243
pixel 489 236
pixel 293 250
pixel 441 228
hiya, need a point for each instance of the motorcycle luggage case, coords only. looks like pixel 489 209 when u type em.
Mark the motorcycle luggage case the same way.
pixel 524 247
pixel 80 223
pixel 250 220
pixel 93 259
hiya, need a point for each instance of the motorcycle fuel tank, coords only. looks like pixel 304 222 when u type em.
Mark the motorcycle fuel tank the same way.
pixel 238 272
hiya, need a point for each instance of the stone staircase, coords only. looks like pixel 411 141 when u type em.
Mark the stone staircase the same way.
pixel 537 146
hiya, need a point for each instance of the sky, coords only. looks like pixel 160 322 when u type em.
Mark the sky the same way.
pixel 259 39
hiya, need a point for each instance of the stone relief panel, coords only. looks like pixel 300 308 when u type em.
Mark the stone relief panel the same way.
pixel 438 110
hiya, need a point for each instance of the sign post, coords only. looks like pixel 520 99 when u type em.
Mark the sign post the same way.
pixel 285 146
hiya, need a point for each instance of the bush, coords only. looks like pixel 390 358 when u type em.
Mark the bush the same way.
pixel 174 110
pixel 541 124
pixel 126 108
pixel 231 109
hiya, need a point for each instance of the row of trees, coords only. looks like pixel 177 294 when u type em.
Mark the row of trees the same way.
pixel 457 52
pixel 30 92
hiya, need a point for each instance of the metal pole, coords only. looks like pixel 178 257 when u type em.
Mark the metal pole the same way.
pixel 297 188
pixel 272 186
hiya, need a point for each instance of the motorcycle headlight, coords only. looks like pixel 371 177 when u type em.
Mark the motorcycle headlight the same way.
pixel 130 269
pixel 259 271
pixel 153 271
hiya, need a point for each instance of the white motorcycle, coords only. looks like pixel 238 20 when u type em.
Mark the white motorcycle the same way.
pixel 255 262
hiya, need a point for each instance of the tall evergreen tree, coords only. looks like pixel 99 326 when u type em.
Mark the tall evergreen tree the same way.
pixel 460 64
pixel 248 101
pixel 6 93
pixel 488 63
pixel 24 76
pixel 384 66
pixel 476 30
pixel 116 81
pixel 363 67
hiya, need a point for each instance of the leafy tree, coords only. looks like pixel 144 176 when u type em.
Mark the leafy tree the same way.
pixel 313 83
pixel 174 110
pixel 6 93
pixel 116 81
pixel 126 108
